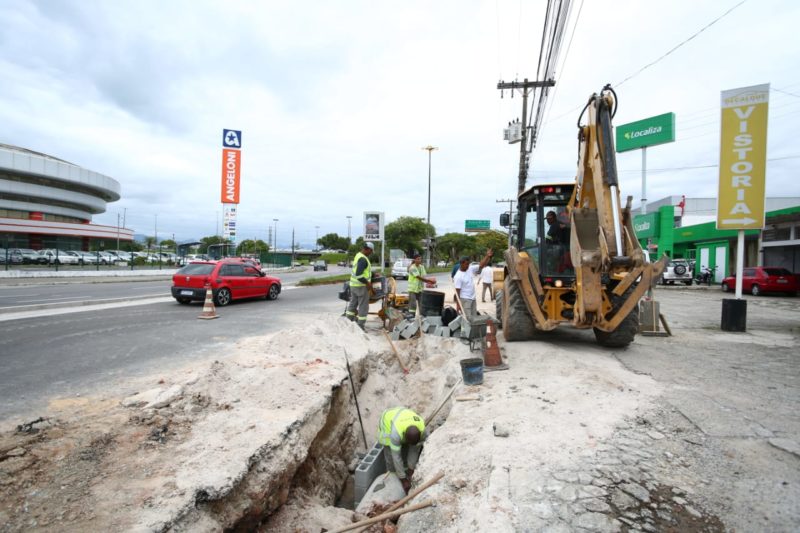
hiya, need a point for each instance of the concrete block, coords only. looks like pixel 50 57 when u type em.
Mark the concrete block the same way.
pixel 395 334
pixel 371 466
pixel 432 321
pixel 441 331
pixel 410 329
pixel 455 323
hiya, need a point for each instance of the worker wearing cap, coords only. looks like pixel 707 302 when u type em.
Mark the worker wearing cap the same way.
pixel 464 282
pixel 401 431
pixel 416 273
pixel 360 286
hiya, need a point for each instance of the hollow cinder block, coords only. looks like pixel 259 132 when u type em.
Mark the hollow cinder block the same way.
pixel 371 466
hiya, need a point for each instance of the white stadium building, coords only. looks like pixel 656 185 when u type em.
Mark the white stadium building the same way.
pixel 46 202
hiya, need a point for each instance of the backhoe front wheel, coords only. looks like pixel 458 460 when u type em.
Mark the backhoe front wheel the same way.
pixel 627 329
pixel 516 320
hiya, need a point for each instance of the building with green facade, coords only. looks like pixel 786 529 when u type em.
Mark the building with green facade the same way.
pixel 690 232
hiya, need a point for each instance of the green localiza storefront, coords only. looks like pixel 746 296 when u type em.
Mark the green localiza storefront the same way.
pixel 708 246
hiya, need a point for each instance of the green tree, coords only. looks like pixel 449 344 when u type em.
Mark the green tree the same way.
pixel 357 246
pixel 496 240
pixel 451 246
pixel 149 242
pixel 251 246
pixel 206 241
pixel 408 234
pixel 332 241
pixel 168 243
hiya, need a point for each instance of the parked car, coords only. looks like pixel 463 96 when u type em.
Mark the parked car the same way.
pixel 758 280
pixel 121 255
pixel 29 257
pixel 229 280
pixel 441 264
pixel 400 268
pixel 320 265
pixel 10 256
pixel 84 258
pixel 59 257
pixel 677 270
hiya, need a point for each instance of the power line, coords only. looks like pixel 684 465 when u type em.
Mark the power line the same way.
pixel 660 58
pixel 701 30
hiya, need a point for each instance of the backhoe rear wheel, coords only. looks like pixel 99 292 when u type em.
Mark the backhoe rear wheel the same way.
pixel 627 329
pixel 517 321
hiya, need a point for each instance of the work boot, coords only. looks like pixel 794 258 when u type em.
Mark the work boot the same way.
pixel 361 325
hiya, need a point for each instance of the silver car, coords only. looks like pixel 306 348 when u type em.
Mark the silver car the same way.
pixel 400 268
pixel 677 270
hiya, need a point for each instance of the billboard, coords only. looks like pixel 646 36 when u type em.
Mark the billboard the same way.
pixel 743 158
pixel 229 224
pixel 373 225
pixel 647 132
pixel 231 165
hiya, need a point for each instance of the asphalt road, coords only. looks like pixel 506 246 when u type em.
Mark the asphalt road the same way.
pixel 70 349
pixel 71 353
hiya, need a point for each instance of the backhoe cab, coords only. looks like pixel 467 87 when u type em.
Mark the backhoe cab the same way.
pixel 575 258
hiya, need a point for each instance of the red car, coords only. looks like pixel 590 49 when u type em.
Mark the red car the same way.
pixel 229 280
pixel 757 280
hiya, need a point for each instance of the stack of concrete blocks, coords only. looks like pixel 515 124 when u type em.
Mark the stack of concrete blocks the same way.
pixel 432 325
pixel 371 466
pixel 405 330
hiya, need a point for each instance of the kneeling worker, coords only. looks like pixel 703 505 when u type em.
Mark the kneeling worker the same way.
pixel 401 431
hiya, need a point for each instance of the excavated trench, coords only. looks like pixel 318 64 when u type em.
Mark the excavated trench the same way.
pixel 292 474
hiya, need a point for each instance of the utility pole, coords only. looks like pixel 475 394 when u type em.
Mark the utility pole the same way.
pixel 316 242
pixel 510 217
pixel 349 241
pixel 526 87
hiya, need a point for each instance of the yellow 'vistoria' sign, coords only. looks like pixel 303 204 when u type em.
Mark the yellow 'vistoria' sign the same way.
pixel 743 158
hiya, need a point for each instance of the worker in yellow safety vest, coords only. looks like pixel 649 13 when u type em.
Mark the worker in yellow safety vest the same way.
pixel 416 276
pixel 360 286
pixel 401 431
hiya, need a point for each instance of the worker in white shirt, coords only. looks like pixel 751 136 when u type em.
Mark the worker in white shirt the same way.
pixel 465 283
pixel 487 278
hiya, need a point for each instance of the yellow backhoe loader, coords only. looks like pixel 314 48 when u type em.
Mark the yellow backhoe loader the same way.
pixel 575 259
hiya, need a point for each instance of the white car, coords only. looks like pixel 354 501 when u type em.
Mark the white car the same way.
pixel 400 268
pixel 86 258
pixel 59 257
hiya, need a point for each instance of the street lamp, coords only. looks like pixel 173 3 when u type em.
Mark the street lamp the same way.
pixel 430 149
pixel 275 237
pixel 348 229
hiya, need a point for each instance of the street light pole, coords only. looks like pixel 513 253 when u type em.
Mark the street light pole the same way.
pixel 430 149
pixel 275 236
pixel 348 229
pixel 316 243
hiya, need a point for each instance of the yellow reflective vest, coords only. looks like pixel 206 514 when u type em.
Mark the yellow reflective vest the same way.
pixel 367 274
pixel 394 423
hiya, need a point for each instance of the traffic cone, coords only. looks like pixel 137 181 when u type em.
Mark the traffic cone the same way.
pixel 491 353
pixel 209 311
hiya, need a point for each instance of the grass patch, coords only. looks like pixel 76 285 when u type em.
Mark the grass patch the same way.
pixel 324 280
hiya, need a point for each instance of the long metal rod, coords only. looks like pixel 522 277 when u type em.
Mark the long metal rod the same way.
pixel 355 398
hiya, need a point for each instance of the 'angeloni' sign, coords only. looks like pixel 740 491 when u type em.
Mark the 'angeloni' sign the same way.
pixel 743 158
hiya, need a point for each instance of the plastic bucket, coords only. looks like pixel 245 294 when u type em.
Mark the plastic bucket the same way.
pixel 431 303
pixel 472 370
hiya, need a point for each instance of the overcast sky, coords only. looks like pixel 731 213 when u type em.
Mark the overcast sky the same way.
pixel 336 99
